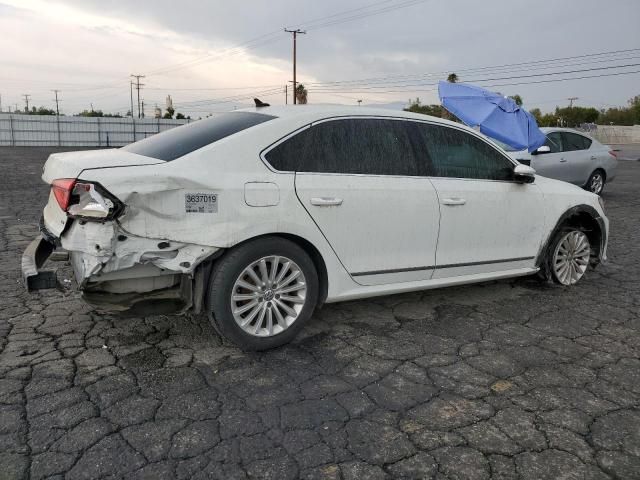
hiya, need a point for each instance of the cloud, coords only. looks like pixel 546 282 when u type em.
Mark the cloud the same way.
pixel 191 44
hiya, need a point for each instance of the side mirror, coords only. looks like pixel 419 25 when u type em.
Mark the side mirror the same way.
pixel 541 150
pixel 524 173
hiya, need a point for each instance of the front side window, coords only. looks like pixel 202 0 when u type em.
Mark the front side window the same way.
pixel 179 141
pixel 554 142
pixel 573 141
pixel 369 146
pixel 455 153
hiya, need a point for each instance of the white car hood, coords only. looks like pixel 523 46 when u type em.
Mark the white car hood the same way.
pixel 72 164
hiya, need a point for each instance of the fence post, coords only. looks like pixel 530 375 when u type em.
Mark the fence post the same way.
pixel 99 139
pixel 158 122
pixel 13 140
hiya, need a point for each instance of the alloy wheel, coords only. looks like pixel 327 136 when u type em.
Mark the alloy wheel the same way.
pixel 571 257
pixel 268 296
pixel 596 184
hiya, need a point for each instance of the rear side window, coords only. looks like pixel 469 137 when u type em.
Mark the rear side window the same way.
pixel 455 153
pixel 573 141
pixel 179 141
pixel 357 146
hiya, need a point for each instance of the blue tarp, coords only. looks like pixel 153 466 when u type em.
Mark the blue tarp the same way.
pixel 497 116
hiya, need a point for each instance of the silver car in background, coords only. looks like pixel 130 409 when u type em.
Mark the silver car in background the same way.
pixel 573 157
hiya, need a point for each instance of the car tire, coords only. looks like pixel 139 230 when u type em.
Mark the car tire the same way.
pixel 596 182
pixel 253 302
pixel 568 256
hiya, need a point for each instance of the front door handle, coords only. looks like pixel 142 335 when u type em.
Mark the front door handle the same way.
pixel 593 157
pixel 453 201
pixel 326 201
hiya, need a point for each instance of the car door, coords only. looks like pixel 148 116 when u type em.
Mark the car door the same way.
pixel 360 182
pixel 553 164
pixel 488 221
pixel 578 158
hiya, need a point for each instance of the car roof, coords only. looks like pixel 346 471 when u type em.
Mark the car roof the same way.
pixel 562 129
pixel 317 112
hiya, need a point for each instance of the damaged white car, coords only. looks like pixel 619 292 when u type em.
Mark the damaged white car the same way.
pixel 259 216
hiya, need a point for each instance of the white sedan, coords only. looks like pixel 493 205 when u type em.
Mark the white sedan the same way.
pixel 573 157
pixel 258 216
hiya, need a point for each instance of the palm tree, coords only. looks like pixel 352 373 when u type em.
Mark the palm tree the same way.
pixel 452 78
pixel 301 94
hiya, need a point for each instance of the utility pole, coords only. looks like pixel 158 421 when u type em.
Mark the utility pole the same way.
pixel 0 103
pixel 55 91
pixel 142 109
pixel 57 108
pixel 295 35
pixel 131 92
pixel 26 102
pixel 286 94
pixel 138 85
pixel 571 100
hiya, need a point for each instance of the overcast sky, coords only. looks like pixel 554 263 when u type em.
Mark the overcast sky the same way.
pixel 88 48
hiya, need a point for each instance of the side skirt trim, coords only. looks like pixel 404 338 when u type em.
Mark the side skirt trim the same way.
pixel 438 267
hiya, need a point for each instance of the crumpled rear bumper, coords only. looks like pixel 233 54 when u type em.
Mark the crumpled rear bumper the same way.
pixel 33 258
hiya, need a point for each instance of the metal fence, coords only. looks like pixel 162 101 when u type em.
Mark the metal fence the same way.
pixel 51 130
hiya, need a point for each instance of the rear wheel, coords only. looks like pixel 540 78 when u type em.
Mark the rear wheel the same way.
pixel 570 254
pixel 262 293
pixel 595 184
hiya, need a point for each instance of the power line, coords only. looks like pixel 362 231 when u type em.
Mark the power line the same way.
pixel 528 64
pixel 505 84
pixel 547 64
pixel 271 37
pixel 405 4
pixel 480 80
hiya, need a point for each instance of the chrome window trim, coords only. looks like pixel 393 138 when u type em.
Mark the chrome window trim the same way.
pixel 290 135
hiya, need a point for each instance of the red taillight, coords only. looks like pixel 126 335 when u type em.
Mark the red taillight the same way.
pixel 613 153
pixel 62 189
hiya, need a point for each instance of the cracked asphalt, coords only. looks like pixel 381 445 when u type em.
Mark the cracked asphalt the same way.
pixel 509 379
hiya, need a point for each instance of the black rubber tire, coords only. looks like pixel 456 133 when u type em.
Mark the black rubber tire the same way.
pixel 226 271
pixel 604 180
pixel 552 248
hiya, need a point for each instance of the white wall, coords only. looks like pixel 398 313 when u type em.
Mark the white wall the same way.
pixel 616 134
pixel 49 130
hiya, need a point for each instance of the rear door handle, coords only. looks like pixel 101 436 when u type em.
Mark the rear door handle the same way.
pixel 562 160
pixel 326 201
pixel 593 157
pixel 453 201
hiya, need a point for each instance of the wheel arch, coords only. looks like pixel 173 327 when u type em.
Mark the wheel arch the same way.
pixel 306 245
pixel 585 217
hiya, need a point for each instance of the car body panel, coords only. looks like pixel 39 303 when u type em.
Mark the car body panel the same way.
pixel 395 217
pixel 498 228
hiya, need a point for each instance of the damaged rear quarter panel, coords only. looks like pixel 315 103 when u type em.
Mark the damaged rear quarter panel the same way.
pixel 154 196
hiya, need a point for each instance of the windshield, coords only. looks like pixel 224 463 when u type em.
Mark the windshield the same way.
pixel 504 146
pixel 179 141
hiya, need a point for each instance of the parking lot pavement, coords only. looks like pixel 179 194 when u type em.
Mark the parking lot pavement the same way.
pixel 508 379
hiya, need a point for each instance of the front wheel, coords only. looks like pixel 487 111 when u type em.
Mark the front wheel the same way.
pixel 570 255
pixel 596 181
pixel 262 293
